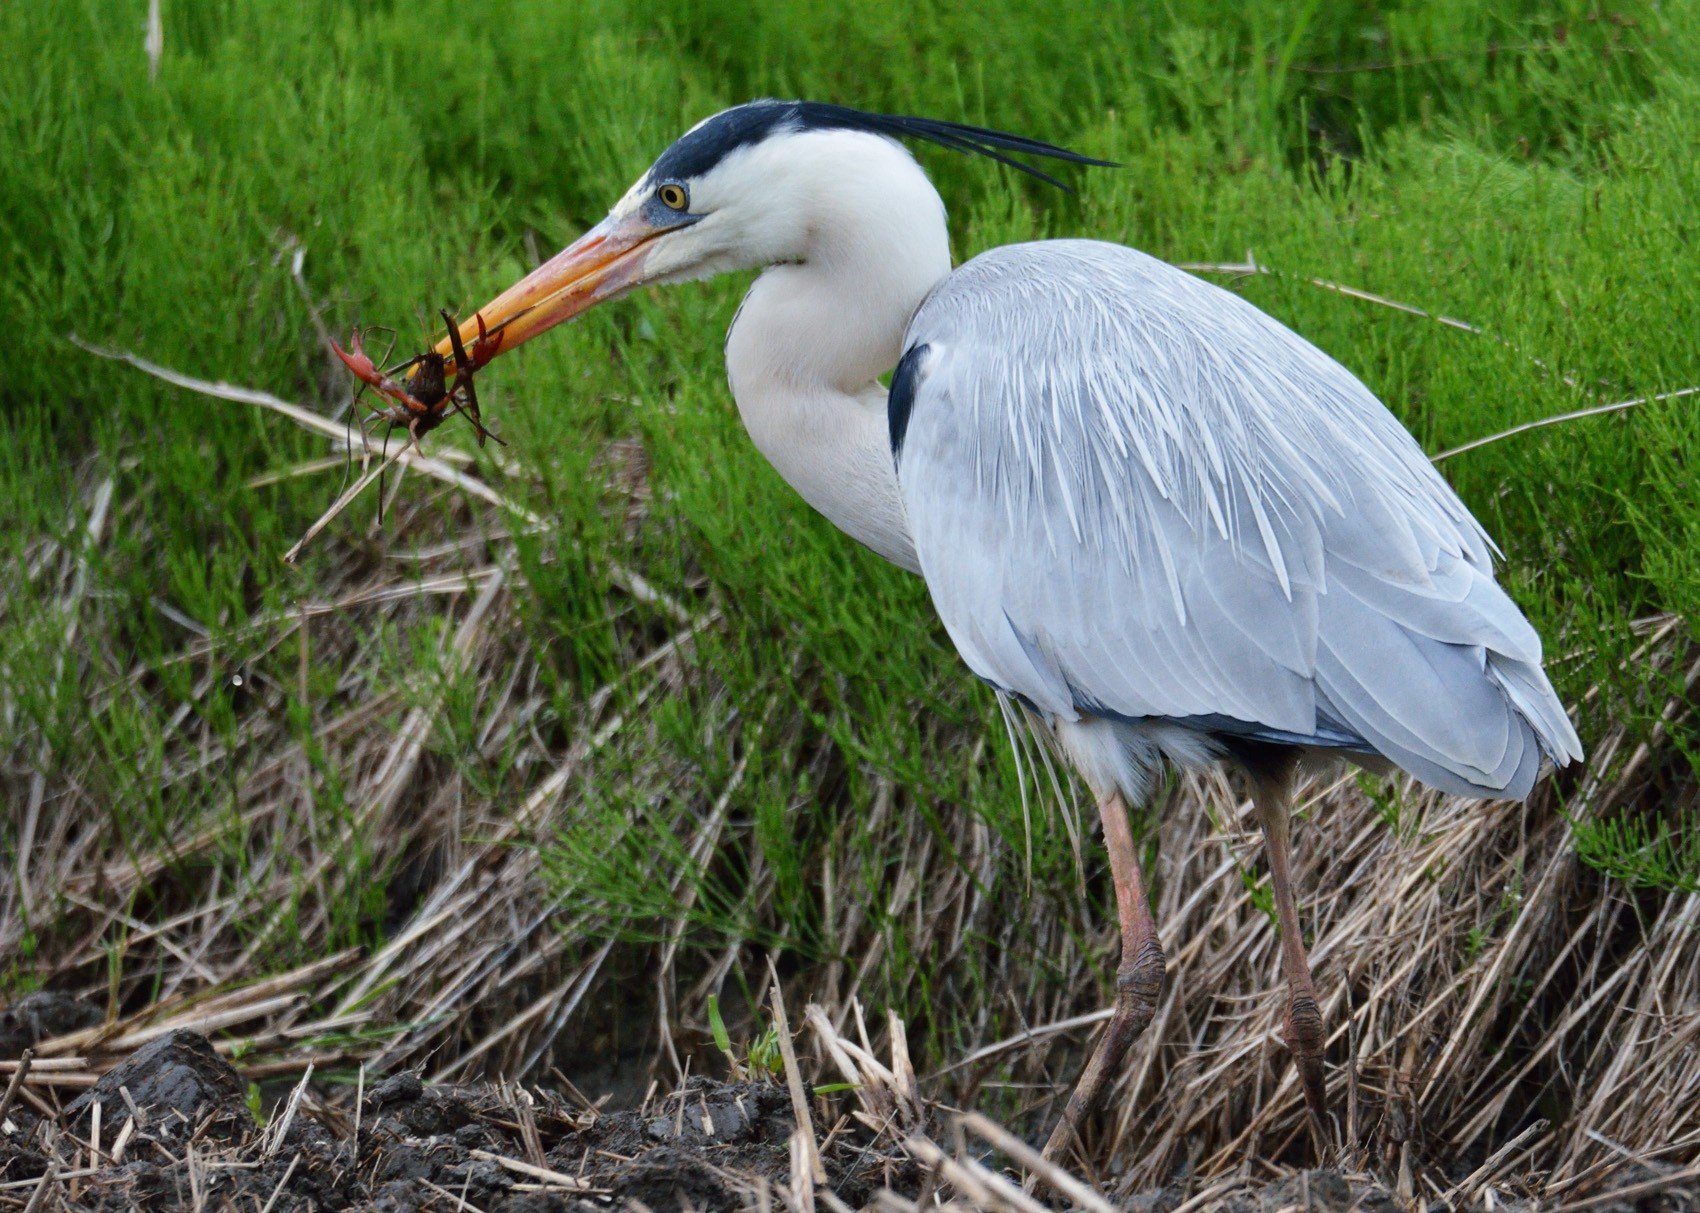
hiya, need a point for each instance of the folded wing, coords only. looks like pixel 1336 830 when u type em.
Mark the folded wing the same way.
pixel 1134 495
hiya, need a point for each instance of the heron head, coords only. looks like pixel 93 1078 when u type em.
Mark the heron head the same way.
pixel 759 184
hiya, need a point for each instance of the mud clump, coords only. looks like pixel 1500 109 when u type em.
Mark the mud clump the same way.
pixel 710 1145
pixel 1322 1190
pixel 41 1016
pixel 178 1083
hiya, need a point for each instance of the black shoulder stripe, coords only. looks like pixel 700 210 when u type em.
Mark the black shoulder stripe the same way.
pixel 905 381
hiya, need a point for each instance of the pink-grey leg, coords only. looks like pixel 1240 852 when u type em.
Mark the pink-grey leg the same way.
pixel 1139 980
pixel 1304 1030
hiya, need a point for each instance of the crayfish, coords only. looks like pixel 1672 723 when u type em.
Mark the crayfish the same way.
pixel 420 394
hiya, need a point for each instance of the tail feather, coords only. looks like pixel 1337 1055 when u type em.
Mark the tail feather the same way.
pixel 1531 694
pixel 1465 718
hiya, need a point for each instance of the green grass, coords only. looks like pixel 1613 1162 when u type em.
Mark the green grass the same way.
pixel 1530 168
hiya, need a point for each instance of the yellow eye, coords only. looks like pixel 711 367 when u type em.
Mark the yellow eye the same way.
pixel 673 197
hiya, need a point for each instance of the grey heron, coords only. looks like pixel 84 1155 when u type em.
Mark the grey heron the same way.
pixel 1171 528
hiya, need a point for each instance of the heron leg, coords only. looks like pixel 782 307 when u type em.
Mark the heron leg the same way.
pixel 1139 979
pixel 1304 1031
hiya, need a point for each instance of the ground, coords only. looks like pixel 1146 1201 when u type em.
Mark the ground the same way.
pixel 175 1129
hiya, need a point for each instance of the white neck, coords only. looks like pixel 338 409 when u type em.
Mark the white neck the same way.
pixel 813 336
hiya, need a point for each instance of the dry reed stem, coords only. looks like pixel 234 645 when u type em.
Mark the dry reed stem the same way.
pixel 1598 410
pixel 549 1176
pixel 1251 266
pixel 815 1172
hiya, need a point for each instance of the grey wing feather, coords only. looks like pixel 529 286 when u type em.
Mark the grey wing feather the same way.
pixel 1134 495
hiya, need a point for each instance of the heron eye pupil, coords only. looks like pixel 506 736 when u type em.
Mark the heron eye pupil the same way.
pixel 673 197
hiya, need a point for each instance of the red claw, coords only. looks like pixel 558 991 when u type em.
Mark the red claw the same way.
pixel 487 346
pixel 368 373
pixel 357 362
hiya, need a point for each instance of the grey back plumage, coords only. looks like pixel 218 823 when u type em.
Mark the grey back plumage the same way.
pixel 1136 496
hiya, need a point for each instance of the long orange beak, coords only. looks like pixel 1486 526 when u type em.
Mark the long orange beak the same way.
pixel 605 262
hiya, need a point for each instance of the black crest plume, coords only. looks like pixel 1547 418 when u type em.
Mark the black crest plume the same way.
pixel 957 136
pixel 701 149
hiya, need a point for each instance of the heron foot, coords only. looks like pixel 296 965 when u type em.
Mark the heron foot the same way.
pixel 1139 983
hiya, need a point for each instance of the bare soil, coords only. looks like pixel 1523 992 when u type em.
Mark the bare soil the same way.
pixel 709 1145
pixel 175 1130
